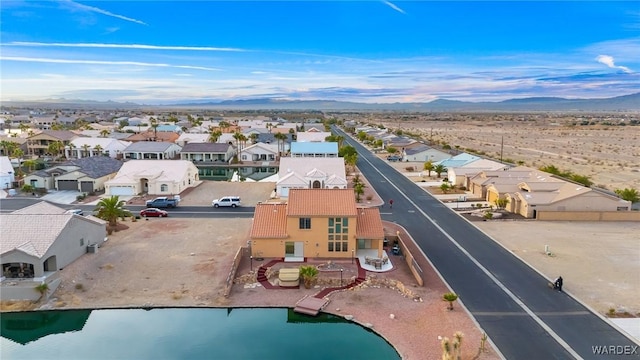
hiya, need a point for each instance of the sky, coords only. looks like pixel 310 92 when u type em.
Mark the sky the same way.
pixel 163 52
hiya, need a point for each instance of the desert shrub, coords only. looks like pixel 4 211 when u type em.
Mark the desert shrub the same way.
pixel 409 168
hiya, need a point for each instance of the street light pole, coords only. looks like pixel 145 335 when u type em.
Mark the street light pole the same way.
pixel 251 262
pixel 340 277
pixel 352 255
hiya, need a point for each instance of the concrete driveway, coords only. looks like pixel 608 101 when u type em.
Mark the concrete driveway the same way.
pixel 61 197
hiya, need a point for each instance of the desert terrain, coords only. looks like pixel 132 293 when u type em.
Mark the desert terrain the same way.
pixel 606 152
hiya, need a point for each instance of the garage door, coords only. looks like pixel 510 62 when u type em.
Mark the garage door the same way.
pixel 86 186
pixel 121 190
pixel 68 185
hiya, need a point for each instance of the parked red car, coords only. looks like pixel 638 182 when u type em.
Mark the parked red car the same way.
pixel 153 212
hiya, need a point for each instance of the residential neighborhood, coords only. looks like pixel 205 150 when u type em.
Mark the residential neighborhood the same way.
pixel 320 208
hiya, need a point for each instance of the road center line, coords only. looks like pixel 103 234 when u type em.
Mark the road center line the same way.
pixel 542 324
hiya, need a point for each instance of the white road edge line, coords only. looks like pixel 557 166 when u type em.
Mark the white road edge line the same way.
pixel 542 324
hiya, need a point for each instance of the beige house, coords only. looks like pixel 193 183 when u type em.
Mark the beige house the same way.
pixel 38 145
pixel 39 240
pixel 153 177
pixel 85 175
pixel 316 223
pixel 532 191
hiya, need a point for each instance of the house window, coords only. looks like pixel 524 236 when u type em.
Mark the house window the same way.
pixel 164 187
pixel 305 223
pixel 82 242
pixel 338 235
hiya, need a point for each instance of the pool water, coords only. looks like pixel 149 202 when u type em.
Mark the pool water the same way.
pixel 186 333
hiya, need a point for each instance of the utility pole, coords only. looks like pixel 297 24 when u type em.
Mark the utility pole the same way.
pixel 501 148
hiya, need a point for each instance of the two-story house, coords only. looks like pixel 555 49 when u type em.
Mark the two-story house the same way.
pixel 151 150
pixel 316 223
pixel 38 145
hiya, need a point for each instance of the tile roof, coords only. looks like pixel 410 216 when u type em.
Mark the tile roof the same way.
pixel 302 166
pixel 18 232
pixel 208 147
pixel 41 208
pixel 148 146
pixel 369 224
pixel 60 134
pixel 416 150
pixel 321 202
pixel 96 166
pixel 269 221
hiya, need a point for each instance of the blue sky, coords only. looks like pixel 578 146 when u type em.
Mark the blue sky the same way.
pixel 157 52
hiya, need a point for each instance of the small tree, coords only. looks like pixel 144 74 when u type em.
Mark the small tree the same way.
pixel 359 190
pixel 43 289
pixel 444 187
pixel 309 275
pixel 428 166
pixel 450 297
pixel 629 194
pixel 501 203
pixel 439 169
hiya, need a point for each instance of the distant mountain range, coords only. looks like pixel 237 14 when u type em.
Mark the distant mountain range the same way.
pixel 619 103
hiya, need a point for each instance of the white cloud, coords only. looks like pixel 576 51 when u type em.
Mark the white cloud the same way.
pixel 103 12
pixel 394 7
pixel 122 46
pixel 100 62
pixel 608 60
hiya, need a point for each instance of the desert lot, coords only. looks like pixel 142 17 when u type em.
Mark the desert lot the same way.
pixel 608 155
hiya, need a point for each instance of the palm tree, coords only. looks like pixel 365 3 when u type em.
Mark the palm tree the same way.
pixel 359 190
pixel 309 275
pixel 85 149
pixel 214 135
pixel 254 138
pixel 98 149
pixel 428 166
pixel 110 209
pixel 104 133
pixel 450 297
pixel 71 147
pixel 282 138
pixel 628 194
pixel 439 169
pixel 224 126
pixel 23 127
pixel 154 125
pixel 6 147
pixel 30 164
pixel 55 148
pixel 501 203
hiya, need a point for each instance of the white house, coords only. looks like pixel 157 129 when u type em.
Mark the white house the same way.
pixel 95 146
pixel 39 240
pixel 424 153
pixel 151 150
pixel 260 152
pixel 312 136
pixel 7 174
pixel 154 177
pixel 310 173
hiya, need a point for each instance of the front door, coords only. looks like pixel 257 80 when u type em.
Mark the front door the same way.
pixel 294 249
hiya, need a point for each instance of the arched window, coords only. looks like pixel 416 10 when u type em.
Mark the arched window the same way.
pixel 316 184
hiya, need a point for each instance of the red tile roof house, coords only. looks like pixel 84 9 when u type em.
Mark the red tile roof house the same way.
pixel 316 223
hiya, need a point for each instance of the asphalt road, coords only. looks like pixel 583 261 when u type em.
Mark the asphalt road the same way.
pixel 8 205
pixel 511 301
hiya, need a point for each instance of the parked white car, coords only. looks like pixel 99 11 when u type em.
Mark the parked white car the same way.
pixel 231 201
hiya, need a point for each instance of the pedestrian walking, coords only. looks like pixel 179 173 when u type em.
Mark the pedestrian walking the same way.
pixel 558 283
pixel 391 203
